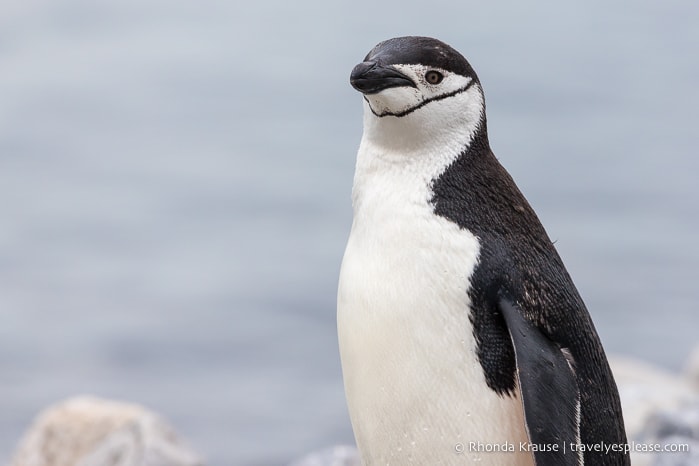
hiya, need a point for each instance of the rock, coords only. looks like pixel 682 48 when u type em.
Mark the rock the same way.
pixel 342 455
pixel 683 423
pixel 645 389
pixel 660 408
pixel 680 458
pixel 692 368
pixel 88 431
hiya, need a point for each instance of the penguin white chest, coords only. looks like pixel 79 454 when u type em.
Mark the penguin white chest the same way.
pixel 416 391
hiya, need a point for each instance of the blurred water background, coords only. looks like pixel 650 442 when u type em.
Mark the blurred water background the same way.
pixel 175 180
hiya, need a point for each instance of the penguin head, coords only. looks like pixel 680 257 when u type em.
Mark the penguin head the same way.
pixel 419 80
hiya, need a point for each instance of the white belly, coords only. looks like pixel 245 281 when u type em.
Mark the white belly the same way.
pixel 415 390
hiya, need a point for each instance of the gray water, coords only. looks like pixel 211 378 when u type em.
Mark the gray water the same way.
pixel 175 179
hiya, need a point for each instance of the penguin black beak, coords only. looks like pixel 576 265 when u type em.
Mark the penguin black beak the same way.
pixel 370 78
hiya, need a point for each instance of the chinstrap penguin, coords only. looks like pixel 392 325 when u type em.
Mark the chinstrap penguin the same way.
pixel 460 330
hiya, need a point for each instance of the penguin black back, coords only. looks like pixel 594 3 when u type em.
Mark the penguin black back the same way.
pixel 519 260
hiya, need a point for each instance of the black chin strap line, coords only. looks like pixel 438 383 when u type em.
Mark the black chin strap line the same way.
pixel 423 103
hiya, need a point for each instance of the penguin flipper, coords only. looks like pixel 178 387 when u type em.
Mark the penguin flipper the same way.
pixel 548 388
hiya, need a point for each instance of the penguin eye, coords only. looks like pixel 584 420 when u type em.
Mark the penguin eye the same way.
pixel 434 77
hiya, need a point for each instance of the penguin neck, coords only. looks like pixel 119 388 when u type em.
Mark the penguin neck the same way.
pixel 410 145
pixel 387 169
